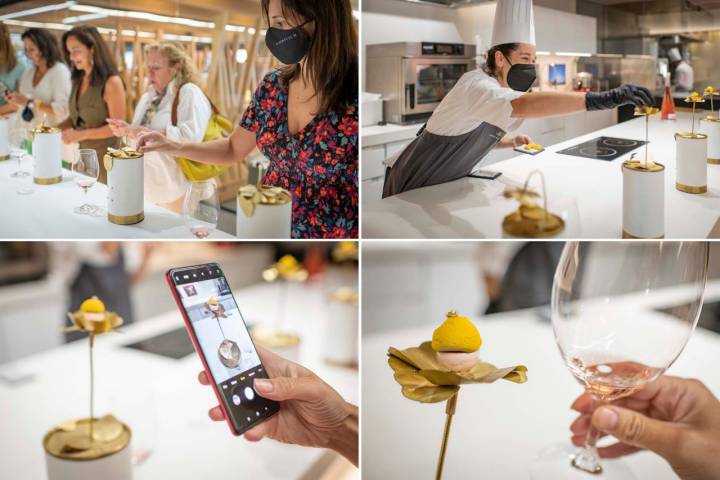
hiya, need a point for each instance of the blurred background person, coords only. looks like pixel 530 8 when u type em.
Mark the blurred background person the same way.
pixel 518 275
pixel 101 269
pixel 97 93
pixel 683 75
pixel 175 105
pixel 44 87
pixel 11 69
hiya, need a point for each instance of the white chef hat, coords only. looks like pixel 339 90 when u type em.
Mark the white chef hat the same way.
pixel 514 22
pixel 674 55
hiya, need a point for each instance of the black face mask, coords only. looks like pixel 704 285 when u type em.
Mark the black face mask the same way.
pixel 521 76
pixel 288 46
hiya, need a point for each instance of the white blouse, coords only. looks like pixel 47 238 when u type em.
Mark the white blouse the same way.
pixel 54 89
pixel 164 180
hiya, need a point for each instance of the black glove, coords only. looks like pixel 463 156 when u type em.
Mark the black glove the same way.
pixel 622 95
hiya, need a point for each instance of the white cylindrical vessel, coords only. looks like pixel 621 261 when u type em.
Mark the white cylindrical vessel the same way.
pixel 4 138
pixel 47 153
pixel 691 162
pixel 106 460
pixel 643 200
pixel 342 338
pixel 271 216
pixel 125 182
pixel 710 126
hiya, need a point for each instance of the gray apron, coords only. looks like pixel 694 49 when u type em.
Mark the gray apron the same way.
pixel 110 283
pixel 432 159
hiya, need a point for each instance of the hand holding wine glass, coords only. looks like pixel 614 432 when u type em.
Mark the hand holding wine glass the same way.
pixel 85 171
pixel 622 312
pixel 677 418
pixel 201 208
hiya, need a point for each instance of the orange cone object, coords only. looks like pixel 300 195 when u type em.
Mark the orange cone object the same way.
pixel 667 112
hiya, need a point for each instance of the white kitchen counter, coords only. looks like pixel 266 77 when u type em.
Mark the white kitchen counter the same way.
pixel 499 427
pixel 161 399
pixel 381 134
pixel 587 192
pixel 48 212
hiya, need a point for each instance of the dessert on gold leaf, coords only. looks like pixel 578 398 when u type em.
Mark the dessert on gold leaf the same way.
pixel 434 371
pixel 89 438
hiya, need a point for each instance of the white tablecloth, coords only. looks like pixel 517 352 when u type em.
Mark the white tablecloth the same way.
pixel 588 191
pixel 161 399
pixel 498 429
pixel 48 212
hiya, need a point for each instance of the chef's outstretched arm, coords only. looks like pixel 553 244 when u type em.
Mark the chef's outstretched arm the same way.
pixel 548 104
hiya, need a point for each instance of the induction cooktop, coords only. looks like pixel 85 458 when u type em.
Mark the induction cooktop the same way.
pixel 604 148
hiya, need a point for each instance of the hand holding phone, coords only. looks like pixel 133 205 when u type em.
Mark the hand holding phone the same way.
pixel 312 413
pixel 221 339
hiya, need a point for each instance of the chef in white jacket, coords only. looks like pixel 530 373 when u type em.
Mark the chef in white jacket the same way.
pixel 167 67
pixel 486 104
pixel 684 76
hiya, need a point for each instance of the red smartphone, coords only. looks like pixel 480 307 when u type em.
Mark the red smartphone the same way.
pixel 221 338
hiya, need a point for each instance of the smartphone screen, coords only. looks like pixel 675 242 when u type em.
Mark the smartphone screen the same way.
pixel 220 336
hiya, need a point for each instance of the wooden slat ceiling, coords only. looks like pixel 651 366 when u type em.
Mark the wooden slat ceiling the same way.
pixel 239 12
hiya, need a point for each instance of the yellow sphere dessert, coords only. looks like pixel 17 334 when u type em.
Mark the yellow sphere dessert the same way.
pixel 456 343
pixel 92 305
pixel 212 301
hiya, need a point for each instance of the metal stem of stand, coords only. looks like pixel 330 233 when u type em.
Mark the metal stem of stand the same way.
pixel 544 193
pixel 449 412
pixel 91 338
pixel 693 120
pixel 647 137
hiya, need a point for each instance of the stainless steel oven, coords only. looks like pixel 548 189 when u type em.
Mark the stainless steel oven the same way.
pixel 414 77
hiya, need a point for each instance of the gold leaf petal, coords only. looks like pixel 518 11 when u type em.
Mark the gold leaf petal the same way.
pixel 430 394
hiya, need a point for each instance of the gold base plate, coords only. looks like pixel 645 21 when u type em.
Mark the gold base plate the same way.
pixel 690 189
pixel 630 236
pixel 71 440
pixel 533 223
pixel 47 181
pixel 126 219
pixel 713 161
pixel 4 157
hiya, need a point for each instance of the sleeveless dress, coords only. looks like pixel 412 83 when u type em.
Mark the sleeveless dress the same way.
pixel 89 110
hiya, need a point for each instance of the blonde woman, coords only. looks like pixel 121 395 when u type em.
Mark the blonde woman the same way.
pixel 173 85
pixel 10 69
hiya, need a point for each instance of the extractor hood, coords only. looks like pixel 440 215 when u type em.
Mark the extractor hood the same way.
pixel 447 3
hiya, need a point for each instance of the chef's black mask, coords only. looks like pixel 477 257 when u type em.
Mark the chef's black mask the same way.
pixel 288 46
pixel 521 76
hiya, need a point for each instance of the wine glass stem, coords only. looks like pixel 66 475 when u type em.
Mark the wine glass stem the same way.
pixel 588 459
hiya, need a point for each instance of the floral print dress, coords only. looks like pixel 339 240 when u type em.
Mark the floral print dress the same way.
pixel 318 165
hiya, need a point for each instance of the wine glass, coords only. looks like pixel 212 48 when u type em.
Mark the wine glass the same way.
pixel 622 312
pixel 201 208
pixel 85 171
pixel 18 149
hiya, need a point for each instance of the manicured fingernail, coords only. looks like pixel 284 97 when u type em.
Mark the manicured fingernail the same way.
pixel 606 419
pixel 265 386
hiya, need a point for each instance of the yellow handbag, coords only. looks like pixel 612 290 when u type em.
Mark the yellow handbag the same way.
pixel 218 127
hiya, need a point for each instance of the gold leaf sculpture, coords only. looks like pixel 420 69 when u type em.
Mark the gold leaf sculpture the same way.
pixel 531 220
pixel 694 98
pixel 711 92
pixel 91 437
pixel 434 371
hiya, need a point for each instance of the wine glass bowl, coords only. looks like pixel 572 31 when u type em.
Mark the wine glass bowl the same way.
pixel 622 312
pixel 201 208
pixel 85 171
pixel 19 139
